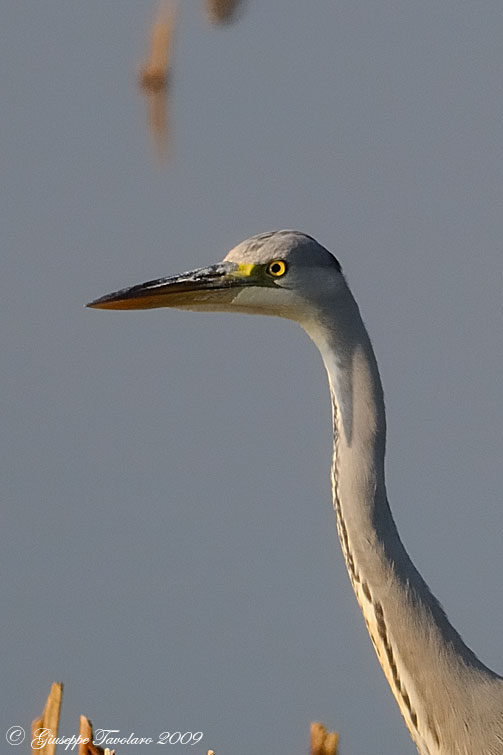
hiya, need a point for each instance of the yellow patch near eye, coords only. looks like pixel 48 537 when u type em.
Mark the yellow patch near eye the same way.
pixel 244 270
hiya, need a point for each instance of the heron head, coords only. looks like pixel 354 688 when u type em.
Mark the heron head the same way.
pixel 283 273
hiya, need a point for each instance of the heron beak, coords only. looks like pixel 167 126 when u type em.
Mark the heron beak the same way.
pixel 207 288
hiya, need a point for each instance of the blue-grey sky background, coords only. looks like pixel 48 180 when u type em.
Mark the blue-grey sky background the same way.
pixel 168 545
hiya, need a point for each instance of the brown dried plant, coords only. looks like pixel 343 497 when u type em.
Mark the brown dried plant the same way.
pixel 155 76
pixel 222 11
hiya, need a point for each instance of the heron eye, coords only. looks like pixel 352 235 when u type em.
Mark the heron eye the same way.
pixel 276 268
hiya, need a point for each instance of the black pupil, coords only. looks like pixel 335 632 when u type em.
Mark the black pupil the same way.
pixel 275 268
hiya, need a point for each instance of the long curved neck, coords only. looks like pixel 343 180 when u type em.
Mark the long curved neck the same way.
pixel 420 652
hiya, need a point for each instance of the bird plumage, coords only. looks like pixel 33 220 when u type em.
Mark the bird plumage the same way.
pixel 451 702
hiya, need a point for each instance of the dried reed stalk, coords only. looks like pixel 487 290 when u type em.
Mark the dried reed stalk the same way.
pixel 154 75
pixel 86 746
pixel 221 11
pixel 49 720
pixel 323 742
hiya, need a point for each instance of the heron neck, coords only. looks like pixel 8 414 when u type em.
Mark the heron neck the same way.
pixel 416 645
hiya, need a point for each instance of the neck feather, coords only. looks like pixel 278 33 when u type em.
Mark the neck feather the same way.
pixel 417 647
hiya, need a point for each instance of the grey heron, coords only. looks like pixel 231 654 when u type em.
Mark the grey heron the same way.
pixel 451 702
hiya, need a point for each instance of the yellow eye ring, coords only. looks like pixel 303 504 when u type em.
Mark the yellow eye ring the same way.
pixel 276 268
